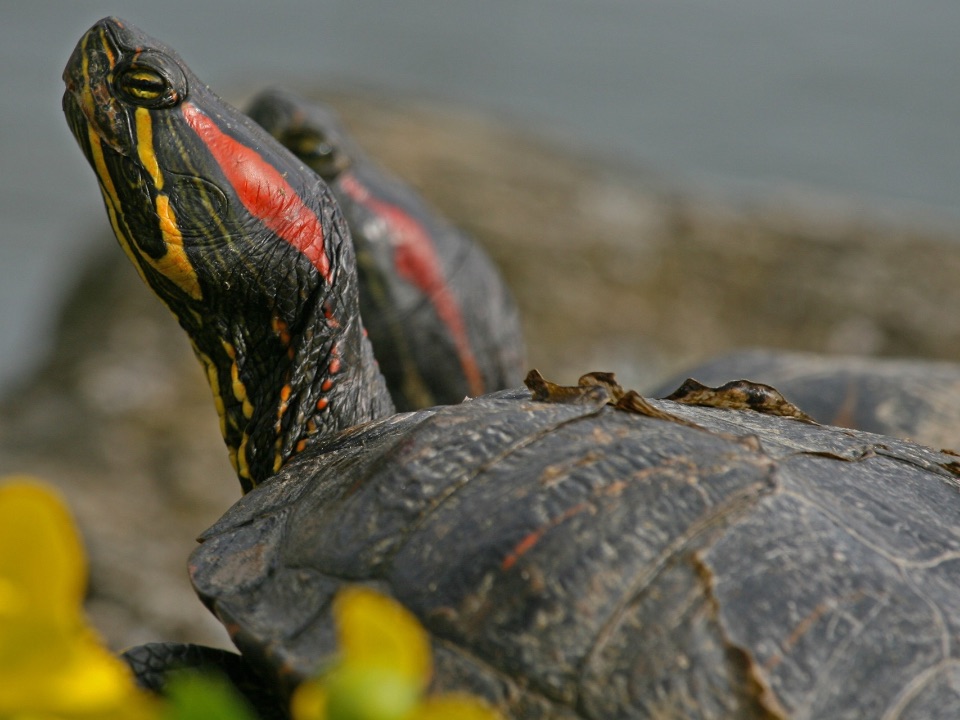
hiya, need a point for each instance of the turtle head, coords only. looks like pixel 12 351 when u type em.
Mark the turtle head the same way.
pixel 311 130
pixel 193 188
pixel 114 69
pixel 241 240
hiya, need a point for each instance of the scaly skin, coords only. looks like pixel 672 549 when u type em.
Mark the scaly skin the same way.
pixel 154 664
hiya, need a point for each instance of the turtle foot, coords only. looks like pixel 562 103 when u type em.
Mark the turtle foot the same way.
pixel 154 664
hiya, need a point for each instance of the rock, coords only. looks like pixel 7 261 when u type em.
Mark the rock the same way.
pixel 613 270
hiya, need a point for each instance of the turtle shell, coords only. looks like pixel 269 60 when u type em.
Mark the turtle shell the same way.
pixel 914 399
pixel 574 560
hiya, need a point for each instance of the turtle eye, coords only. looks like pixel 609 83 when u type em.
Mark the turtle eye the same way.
pixel 150 80
pixel 316 150
pixel 142 85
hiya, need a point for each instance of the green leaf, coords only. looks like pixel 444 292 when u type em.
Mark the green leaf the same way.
pixel 204 696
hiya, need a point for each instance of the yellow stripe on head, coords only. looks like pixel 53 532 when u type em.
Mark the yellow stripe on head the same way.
pixel 86 99
pixel 174 264
pixel 145 146
pixel 112 201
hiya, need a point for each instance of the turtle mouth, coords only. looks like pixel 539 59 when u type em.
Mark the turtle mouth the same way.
pixel 77 120
pixel 87 101
pixel 87 128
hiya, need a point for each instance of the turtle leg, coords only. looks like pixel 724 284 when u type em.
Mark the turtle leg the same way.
pixel 154 663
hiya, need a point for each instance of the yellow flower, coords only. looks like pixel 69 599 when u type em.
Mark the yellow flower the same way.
pixel 383 670
pixel 51 662
pixel 53 667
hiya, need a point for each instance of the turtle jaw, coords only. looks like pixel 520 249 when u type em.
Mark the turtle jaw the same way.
pixel 78 121
pixel 86 76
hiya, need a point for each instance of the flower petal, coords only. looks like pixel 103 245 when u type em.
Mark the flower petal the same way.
pixel 309 701
pixel 42 563
pixel 454 705
pixel 359 692
pixel 195 695
pixel 51 661
pixel 377 631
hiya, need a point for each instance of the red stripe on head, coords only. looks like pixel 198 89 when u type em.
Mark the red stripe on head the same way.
pixel 263 190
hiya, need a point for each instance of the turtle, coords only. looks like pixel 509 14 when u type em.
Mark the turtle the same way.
pixel 907 398
pixel 442 321
pixel 573 552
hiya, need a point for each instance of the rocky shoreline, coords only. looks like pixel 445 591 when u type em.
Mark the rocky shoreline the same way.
pixel 613 270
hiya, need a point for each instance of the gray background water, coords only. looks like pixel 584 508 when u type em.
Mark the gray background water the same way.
pixel 854 97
